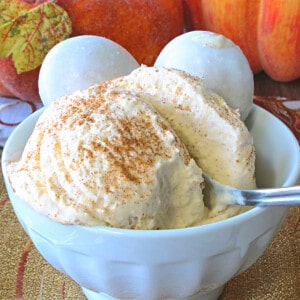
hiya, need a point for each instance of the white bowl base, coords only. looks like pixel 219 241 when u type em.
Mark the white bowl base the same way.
pixel 211 295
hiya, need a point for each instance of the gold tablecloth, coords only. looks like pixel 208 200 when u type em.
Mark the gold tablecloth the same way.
pixel 276 275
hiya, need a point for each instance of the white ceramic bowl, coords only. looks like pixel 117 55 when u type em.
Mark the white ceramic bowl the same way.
pixel 191 263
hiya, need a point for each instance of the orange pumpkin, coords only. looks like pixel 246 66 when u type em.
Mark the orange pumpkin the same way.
pixel 267 31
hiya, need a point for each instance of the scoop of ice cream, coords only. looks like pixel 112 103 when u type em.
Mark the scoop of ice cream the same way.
pixel 212 131
pixel 106 157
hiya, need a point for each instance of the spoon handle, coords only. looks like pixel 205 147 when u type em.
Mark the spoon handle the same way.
pixel 272 196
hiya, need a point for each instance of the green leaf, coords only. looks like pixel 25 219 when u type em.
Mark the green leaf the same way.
pixel 11 9
pixel 29 34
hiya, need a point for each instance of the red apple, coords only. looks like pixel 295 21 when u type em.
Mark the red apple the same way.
pixel 12 84
pixel 4 91
pixel 237 20
pixel 278 34
pixel 192 14
pixel 24 85
pixel 267 31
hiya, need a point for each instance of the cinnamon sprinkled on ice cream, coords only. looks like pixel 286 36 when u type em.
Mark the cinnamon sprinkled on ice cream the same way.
pixel 213 133
pixel 107 157
pixel 128 153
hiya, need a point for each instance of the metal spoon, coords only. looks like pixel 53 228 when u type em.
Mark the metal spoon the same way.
pixel 217 193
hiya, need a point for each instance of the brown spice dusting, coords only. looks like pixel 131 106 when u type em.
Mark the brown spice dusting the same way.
pixel 136 142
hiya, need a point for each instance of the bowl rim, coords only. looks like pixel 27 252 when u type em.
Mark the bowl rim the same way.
pixel 245 216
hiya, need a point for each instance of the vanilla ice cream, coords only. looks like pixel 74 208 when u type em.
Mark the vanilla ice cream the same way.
pixel 213 133
pixel 129 153
pixel 102 157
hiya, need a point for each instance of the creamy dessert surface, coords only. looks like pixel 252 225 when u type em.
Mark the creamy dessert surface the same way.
pixel 102 157
pixel 129 153
pixel 213 133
